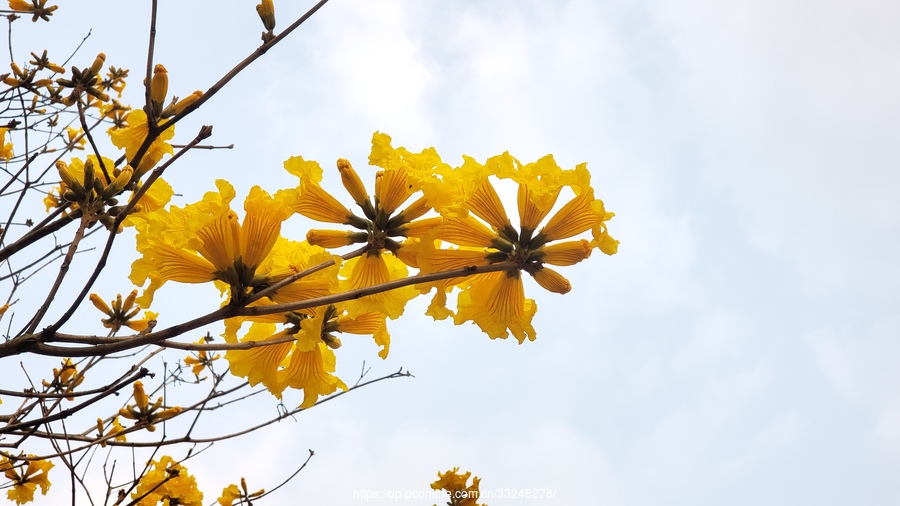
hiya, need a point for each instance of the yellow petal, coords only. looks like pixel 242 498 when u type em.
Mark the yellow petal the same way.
pixel 496 303
pixel 262 223
pixel 485 203
pixel 373 269
pixel 466 231
pixel 391 189
pixel 261 364
pixel 311 371
pixel 577 216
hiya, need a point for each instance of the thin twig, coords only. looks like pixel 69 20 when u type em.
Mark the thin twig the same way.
pixel 63 270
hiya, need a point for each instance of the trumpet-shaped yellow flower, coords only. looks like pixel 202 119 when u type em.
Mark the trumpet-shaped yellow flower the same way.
pixel 65 379
pixel 383 227
pixel 201 359
pixel 26 475
pixel 305 363
pixel 496 302
pixel 131 137
pixel 167 482
pixel 455 484
pixel 205 241
pixel 311 371
pixel 115 428
pixel 75 139
pixel 476 221
pixel 6 148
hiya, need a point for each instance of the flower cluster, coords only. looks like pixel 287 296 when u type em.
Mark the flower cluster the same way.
pixel 123 313
pixel 454 483
pixel 144 413
pixel 168 482
pixel 65 379
pixel 423 214
pixel 26 475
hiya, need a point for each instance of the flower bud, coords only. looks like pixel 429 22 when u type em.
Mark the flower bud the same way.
pixel 181 105
pixel 351 181
pixel 89 173
pixel 98 63
pixel 159 86
pixel 552 281
pixel 266 11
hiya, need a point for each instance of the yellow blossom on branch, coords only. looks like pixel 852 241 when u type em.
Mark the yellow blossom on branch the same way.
pixel 459 494
pixel 26 475
pixel 475 220
pixel 383 229
pixel 115 428
pixel 6 148
pixel 206 241
pixel 38 8
pixel 142 412
pixel 200 360
pixel 167 482
pixel 65 379
pixel 122 312
pixel 307 363
pixel 131 137
pixel 232 493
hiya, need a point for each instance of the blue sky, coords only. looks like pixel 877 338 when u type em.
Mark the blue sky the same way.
pixel 739 349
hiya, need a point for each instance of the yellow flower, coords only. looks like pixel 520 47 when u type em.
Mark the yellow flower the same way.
pixel 200 360
pixel 229 494
pixel 25 477
pixel 261 364
pixel 314 202
pixel 6 148
pixel 65 379
pixel 311 371
pixel 307 362
pixel 374 268
pixel 477 223
pixel 115 428
pixel 232 493
pixel 131 137
pixel 167 482
pixel 21 5
pixel 205 241
pixel 53 198
pixel 75 139
pixel 381 227
pixel 156 197
pixel 454 483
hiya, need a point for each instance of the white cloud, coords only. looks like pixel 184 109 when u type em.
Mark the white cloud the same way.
pixel 795 104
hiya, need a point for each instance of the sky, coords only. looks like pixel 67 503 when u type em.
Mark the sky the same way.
pixel 737 350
